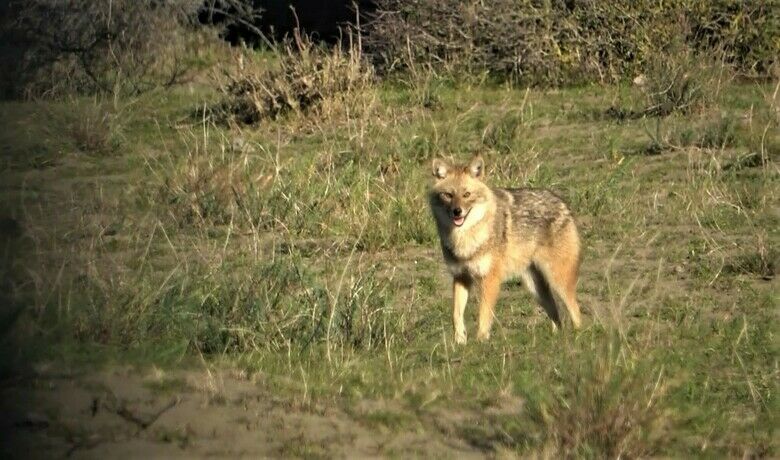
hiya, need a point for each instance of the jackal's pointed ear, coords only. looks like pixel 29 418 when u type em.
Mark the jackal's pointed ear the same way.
pixel 477 167
pixel 440 168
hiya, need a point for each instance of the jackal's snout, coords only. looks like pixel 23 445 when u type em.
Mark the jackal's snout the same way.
pixel 458 216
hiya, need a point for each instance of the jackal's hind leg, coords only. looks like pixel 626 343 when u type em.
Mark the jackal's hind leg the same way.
pixel 561 277
pixel 536 283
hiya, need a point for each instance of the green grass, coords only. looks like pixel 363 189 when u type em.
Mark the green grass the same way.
pixel 302 248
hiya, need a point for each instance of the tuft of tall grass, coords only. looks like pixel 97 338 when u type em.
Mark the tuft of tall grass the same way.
pixel 217 304
pixel 610 405
pixel 763 261
pixel 343 192
pixel 717 133
pixel 202 189
pixel 306 77
pixel 97 131
pixel 503 133
pixel 601 401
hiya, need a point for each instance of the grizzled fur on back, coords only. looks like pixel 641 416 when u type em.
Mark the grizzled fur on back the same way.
pixel 535 213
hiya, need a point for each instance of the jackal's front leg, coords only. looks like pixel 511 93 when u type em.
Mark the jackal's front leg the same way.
pixel 489 288
pixel 460 295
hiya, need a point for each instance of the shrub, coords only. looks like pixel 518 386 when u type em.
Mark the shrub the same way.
pixel 306 76
pixel 553 43
pixel 678 81
pixel 88 46
pixel 748 32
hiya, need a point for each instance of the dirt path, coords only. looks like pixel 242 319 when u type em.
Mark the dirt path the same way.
pixel 126 414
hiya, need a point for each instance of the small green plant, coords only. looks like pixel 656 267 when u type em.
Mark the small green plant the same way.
pixel 365 318
pixel 722 133
pixel 763 262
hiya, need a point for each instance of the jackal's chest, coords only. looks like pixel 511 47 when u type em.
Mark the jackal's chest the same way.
pixel 465 251
pixel 476 267
pixel 465 244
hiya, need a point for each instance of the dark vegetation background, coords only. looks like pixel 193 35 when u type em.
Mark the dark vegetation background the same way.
pixel 48 45
pixel 323 19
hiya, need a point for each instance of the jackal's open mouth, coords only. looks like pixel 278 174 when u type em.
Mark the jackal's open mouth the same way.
pixel 458 221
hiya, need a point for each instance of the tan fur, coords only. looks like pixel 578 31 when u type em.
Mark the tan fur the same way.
pixel 504 233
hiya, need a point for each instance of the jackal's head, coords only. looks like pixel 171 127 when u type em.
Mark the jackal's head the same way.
pixel 459 197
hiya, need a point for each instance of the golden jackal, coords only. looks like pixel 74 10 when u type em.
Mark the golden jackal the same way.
pixel 491 234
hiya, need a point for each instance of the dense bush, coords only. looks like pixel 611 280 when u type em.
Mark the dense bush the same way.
pixel 679 83
pixel 748 32
pixel 306 76
pixel 85 46
pixel 573 41
pixel 82 46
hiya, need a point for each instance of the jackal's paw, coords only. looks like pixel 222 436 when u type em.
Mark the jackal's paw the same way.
pixel 483 336
pixel 460 338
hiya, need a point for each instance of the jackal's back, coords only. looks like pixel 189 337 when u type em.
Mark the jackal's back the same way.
pixel 535 214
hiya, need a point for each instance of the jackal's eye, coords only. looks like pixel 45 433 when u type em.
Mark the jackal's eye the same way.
pixel 445 196
pixel 467 194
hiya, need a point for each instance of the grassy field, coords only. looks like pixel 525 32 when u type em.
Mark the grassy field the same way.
pixel 299 255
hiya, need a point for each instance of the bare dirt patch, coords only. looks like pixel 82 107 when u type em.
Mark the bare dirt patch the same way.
pixel 126 413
